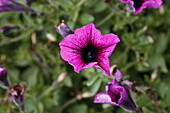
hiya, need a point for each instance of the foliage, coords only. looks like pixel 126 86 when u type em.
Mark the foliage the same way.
pixel 143 55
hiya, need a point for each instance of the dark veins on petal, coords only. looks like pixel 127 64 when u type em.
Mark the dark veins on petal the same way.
pixel 137 3
pixel 114 95
pixel 89 53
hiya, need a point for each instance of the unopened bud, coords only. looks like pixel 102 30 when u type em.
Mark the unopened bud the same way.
pixel 7 29
pixel 3 78
pixel 63 29
pixel 17 93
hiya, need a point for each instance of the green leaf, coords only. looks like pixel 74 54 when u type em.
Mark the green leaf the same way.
pixel 40 107
pixel 92 79
pixel 68 82
pixel 86 18
pixel 100 6
pixel 95 87
pixel 79 108
pixel 30 75
pixel 158 61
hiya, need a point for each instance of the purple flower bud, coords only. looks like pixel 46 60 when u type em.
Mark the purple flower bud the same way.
pixel 63 29
pixel 30 1
pixel 7 29
pixel 116 95
pixel 3 78
pixel 10 5
pixel 17 93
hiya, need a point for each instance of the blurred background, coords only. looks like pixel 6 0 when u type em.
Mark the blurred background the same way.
pixel 31 54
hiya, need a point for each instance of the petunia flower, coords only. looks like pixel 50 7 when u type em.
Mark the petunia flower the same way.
pixel 88 47
pixel 17 93
pixel 3 78
pixel 138 5
pixel 10 5
pixel 116 95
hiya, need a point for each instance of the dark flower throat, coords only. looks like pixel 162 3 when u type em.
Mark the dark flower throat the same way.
pixel 89 53
pixel 137 3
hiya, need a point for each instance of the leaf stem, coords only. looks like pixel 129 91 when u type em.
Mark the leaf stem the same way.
pixel 67 104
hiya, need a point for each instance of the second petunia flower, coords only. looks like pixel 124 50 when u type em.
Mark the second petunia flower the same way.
pixel 88 47
pixel 138 5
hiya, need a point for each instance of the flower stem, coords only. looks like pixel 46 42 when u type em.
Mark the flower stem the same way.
pixel 21 109
pixel 46 92
pixel 138 111
pixel 67 104
pixel 105 19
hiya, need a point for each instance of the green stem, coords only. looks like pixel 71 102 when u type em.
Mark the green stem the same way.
pixel 4 42
pixel 138 111
pixel 21 109
pixel 105 19
pixel 129 65
pixel 46 92
pixel 67 104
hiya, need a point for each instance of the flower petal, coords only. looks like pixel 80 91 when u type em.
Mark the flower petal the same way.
pixel 118 75
pixel 144 4
pixel 107 44
pixel 71 52
pixel 103 64
pixel 103 98
pixel 88 34
pixel 149 4
pixel 126 101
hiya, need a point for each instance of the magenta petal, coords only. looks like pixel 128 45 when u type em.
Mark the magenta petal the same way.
pixel 142 4
pixel 115 83
pixel 118 75
pixel 103 64
pixel 126 101
pixel 107 44
pixel 116 95
pixel 149 4
pixel 71 52
pixel 103 98
pixel 88 34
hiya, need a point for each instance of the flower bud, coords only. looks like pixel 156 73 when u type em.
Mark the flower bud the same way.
pixel 17 93
pixel 29 2
pixel 3 78
pixel 7 29
pixel 10 5
pixel 63 29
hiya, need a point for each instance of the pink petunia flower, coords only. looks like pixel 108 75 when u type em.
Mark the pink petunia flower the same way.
pixel 88 47
pixel 116 95
pixel 138 5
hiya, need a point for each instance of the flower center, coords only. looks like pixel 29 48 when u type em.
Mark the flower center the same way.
pixel 137 3
pixel 89 53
